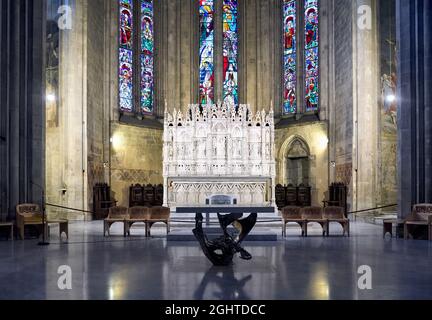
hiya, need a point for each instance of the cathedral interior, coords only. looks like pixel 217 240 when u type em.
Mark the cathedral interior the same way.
pixel 301 106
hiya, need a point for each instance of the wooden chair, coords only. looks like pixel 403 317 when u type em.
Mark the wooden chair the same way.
pixel 102 201
pixel 304 195
pixel 421 216
pixel 337 214
pixel 138 215
pixel 280 194
pixel 159 194
pixel 116 214
pixel 292 214
pixel 291 195
pixel 149 195
pixel 159 214
pixel 28 215
pixel 136 195
pixel 313 214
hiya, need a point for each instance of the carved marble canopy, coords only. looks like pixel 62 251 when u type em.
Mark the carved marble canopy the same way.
pixel 218 149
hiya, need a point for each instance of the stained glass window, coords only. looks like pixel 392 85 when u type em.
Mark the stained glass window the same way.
pixel 147 54
pixel 311 55
pixel 206 10
pixel 126 56
pixel 290 56
pixel 230 52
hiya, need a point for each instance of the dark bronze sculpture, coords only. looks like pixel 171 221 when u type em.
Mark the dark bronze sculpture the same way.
pixel 221 251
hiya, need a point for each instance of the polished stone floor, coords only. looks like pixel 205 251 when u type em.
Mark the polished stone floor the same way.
pixel 139 268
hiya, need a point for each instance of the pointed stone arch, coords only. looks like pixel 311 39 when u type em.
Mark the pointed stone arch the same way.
pixel 295 147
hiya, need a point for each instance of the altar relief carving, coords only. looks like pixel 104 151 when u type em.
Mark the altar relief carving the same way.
pixel 218 150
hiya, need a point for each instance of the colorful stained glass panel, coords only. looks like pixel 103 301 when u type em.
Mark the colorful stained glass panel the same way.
pixel 312 55
pixel 206 70
pixel 230 52
pixel 126 24
pixel 147 41
pixel 311 23
pixel 147 57
pixel 125 79
pixel 126 55
pixel 290 56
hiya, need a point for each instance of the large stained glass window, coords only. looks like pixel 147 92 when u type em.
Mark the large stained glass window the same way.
pixel 206 11
pixel 126 55
pixel 136 51
pixel 230 52
pixel 147 57
pixel 290 56
pixel 311 55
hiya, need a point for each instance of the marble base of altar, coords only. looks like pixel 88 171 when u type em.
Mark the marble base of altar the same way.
pixel 255 192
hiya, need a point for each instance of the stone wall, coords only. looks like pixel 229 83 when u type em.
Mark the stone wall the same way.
pixel 341 120
pixel 97 104
pixel 77 145
pixel 136 157
pixel 315 136
pixel 387 142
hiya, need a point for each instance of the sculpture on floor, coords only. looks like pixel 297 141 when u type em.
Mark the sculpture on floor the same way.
pixel 221 251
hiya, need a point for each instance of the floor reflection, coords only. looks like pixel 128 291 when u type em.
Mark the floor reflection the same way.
pixel 228 287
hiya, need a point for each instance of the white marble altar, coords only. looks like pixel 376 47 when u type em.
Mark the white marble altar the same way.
pixel 218 150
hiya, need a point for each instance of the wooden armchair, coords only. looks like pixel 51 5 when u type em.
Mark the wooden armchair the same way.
pixel 421 216
pixel 116 214
pixel 313 214
pixel 337 214
pixel 159 214
pixel 28 215
pixel 292 214
pixel 137 215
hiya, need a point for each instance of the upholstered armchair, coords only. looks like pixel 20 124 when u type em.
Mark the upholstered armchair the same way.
pixel 292 214
pixel 313 214
pixel 159 214
pixel 138 214
pixel 421 216
pixel 116 214
pixel 337 214
pixel 26 215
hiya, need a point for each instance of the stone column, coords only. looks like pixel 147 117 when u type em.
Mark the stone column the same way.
pixel 22 107
pixel 365 110
pixel 414 158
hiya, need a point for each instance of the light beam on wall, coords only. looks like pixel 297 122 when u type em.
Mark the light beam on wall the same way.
pixel 116 141
pixel 390 98
pixel 323 142
pixel 50 97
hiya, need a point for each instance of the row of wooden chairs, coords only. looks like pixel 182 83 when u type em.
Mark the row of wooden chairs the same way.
pixel 322 216
pixel 130 216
